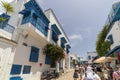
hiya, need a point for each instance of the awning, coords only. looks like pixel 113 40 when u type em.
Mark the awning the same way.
pixel 104 59
pixel 116 49
pixel 99 60
pixel 54 28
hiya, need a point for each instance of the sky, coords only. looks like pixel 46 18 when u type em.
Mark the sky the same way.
pixel 82 20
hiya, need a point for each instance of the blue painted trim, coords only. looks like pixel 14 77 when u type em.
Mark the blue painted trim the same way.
pixel 68 46
pixel 63 40
pixel 54 37
pixel 34 55
pixel 16 78
pixel 116 49
pixel 4 25
pixel 33 14
pixel 48 60
pixel 26 69
pixel 110 37
pixel 55 29
pixel 116 15
pixel 16 69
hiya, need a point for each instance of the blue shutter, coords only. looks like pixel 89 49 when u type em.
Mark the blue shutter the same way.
pixel 110 37
pixel 15 78
pixel 26 69
pixel 16 69
pixel 34 55
pixel 48 60
pixel 54 37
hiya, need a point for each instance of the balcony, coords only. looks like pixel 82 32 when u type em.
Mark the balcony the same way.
pixel 67 48
pixel 33 14
pixel 8 28
pixel 6 31
pixel 63 42
pixel 38 24
pixel 114 16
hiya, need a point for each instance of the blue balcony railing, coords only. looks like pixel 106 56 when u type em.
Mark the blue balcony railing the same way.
pixel 114 14
pixel 37 24
pixel 8 28
pixel 33 14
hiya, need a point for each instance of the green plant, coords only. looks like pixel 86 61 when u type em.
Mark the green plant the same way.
pixel 54 52
pixel 2 20
pixel 102 46
pixel 7 6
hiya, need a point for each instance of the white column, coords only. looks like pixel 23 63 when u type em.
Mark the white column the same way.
pixel 57 67
pixel 49 33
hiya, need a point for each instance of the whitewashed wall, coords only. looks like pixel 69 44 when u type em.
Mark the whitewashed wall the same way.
pixel 115 31
pixel 7 52
pixel 23 53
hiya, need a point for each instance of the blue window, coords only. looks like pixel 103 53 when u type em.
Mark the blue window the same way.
pixel 48 60
pixel 34 55
pixel 16 69
pixel 26 69
pixel 89 57
pixel 67 48
pixel 110 37
pixel 62 45
pixel 63 41
pixel 54 37
pixel 15 78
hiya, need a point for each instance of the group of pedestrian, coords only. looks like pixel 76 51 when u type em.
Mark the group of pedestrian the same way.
pixel 85 73
pixel 96 73
pixel 107 73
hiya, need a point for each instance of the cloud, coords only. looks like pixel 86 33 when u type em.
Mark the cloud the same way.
pixel 76 37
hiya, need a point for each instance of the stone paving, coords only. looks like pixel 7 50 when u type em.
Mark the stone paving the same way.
pixel 67 76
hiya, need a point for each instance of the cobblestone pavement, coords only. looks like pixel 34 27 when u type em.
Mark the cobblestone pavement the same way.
pixel 67 76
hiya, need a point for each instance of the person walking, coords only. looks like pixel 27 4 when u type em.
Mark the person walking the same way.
pixel 75 75
pixel 90 75
pixel 116 74
pixel 105 72
pixel 81 71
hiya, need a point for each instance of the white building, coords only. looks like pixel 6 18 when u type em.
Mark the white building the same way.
pixel 91 56
pixel 113 32
pixel 71 60
pixel 57 30
pixel 22 38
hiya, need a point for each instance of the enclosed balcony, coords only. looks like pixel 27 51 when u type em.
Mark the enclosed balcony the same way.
pixel 32 14
pixel 55 33
pixel 114 14
pixel 54 37
pixel 6 29
pixel 68 48
pixel 63 42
